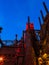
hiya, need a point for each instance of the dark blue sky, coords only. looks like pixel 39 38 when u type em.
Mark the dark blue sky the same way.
pixel 14 13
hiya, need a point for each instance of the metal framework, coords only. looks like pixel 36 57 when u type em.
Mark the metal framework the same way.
pixel 37 39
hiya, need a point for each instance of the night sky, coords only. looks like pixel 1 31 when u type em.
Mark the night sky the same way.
pixel 14 13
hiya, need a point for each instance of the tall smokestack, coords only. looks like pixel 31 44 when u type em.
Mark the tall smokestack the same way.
pixel 16 37
pixel 39 21
pixel 1 29
pixel 28 22
pixel 42 14
pixel 45 7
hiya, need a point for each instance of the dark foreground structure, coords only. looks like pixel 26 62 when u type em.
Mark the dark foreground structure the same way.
pixel 32 49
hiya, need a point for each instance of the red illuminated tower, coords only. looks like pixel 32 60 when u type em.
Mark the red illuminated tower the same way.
pixel 31 46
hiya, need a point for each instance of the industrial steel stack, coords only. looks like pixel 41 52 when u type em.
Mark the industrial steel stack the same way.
pixel 32 49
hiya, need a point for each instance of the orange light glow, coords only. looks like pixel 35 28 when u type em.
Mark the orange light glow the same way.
pixel 1 58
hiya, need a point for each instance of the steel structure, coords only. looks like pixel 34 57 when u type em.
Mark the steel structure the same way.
pixel 32 49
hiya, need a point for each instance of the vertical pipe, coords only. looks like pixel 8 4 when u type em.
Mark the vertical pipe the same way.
pixel 16 36
pixel 28 22
pixel 39 21
pixel 0 31
pixel 16 39
pixel 28 19
pixel 45 7
pixel 42 15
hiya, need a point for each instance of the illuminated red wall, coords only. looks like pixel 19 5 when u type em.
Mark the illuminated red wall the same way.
pixel 31 26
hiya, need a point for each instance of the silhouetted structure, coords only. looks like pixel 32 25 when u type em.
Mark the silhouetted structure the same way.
pixel 44 37
pixel 30 48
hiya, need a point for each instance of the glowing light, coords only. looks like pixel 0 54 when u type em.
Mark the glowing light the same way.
pixel 45 56
pixel 40 60
pixel 1 59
